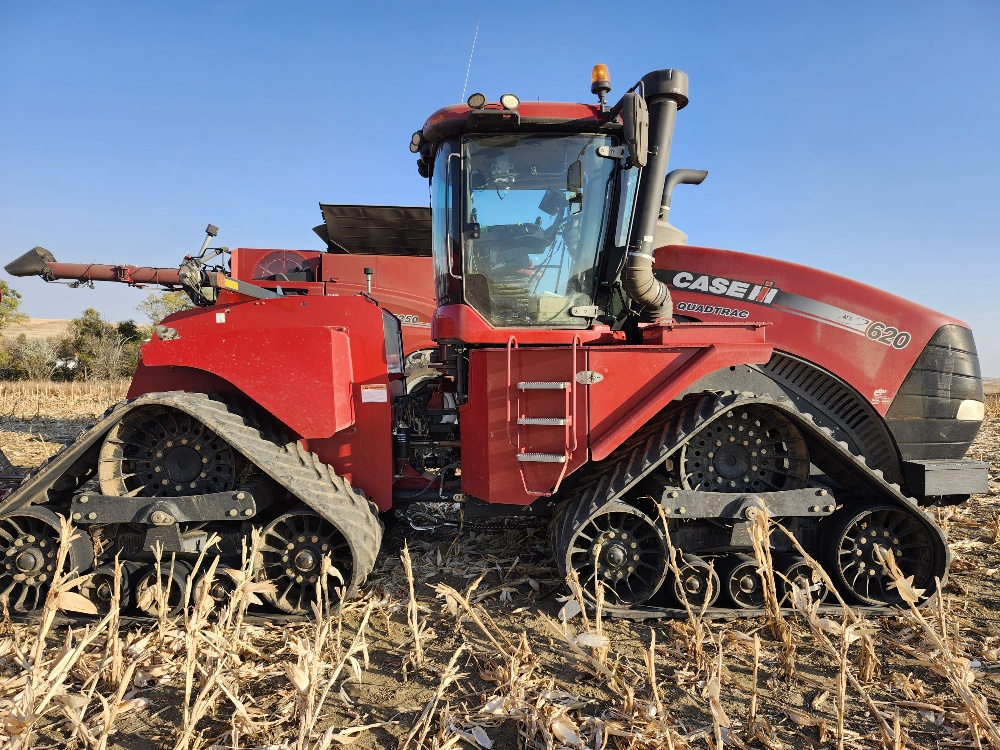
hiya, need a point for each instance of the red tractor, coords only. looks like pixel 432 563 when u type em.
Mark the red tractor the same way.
pixel 582 363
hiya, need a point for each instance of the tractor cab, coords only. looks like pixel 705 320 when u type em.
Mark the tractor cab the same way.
pixel 539 219
pixel 523 222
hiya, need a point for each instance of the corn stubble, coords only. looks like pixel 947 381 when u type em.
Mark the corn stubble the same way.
pixel 470 646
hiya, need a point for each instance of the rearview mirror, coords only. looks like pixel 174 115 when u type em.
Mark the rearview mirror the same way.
pixel 635 128
pixel 574 177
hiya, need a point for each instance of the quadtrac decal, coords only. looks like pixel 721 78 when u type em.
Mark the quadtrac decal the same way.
pixel 726 312
pixel 768 294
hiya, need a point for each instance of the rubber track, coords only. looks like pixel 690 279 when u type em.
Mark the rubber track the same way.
pixel 300 472
pixel 669 433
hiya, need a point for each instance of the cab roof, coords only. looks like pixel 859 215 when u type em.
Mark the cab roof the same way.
pixel 534 116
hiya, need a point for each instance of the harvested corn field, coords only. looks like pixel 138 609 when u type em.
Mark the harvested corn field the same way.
pixel 469 639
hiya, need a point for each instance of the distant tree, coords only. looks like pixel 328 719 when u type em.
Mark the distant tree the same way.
pixel 158 305
pixel 86 331
pixel 106 355
pixel 10 302
pixel 132 336
pixel 129 330
pixel 104 350
pixel 89 324
pixel 34 358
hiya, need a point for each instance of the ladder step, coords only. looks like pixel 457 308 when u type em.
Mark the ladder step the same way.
pixel 543 458
pixel 543 386
pixel 542 420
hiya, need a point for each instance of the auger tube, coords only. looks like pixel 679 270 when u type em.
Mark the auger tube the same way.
pixel 665 92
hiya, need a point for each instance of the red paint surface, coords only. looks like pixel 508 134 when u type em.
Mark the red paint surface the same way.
pixel 301 360
pixel 489 467
pixel 867 365
pixel 638 381
pixel 403 285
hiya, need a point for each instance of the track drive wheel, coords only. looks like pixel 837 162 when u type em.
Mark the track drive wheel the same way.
pixel 623 548
pixel 858 536
pixel 29 551
pixel 157 451
pixel 748 449
pixel 292 553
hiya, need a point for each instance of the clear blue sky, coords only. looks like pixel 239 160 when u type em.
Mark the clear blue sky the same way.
pixel 859 137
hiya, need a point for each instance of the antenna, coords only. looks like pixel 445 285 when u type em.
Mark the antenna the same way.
pixel 471 53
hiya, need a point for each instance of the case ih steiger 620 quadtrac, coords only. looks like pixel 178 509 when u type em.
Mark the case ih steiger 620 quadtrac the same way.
pixel 569 357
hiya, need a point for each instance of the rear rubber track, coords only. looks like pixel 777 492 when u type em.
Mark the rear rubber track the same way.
pixel 299 471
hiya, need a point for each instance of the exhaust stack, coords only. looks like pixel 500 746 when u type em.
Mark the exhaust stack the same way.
pixel 665 92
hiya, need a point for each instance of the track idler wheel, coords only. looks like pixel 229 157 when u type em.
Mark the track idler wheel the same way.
pixel 100 588
pixel 160 452
pixel 170 581
pixel 623 548
pixel 219 589
pixel 292 557
pixel 696 582
pixel 747 449
pixel 793 570
pixel 29 551
pixel 741 582
pixel 855 542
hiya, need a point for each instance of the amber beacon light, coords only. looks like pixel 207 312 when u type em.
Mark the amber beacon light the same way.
pixel 600 82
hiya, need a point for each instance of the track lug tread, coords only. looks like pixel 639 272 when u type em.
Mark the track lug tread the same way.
pixel 682 421
pixel 299 471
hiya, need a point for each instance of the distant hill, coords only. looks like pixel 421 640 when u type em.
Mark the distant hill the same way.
pixel 39 328
pixel 991 385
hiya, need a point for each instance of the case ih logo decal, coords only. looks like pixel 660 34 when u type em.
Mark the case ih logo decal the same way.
pixel 722 287
pixel 766 293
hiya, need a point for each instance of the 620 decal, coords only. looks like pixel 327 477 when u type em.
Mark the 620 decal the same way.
pixel 888 335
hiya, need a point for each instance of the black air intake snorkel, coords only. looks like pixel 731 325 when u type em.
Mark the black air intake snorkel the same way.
pixel 665 92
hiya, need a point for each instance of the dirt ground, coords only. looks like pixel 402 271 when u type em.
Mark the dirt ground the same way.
pixel 493 665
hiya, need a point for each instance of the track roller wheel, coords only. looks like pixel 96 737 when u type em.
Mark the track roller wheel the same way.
pixel 748 449
pixel 29 551
pixel 625 549
pixel 173 581
pixel 219 589
pixel 741 581
pixel 100 588
pixel 291 556
pixel 793 570
pixel 161 452
pixel 698 582
pixel 858 535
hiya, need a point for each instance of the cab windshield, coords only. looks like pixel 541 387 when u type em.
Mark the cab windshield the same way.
pixel 534 211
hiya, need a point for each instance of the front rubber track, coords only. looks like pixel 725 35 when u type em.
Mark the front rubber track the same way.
pixel 663 437
pixel 299 471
